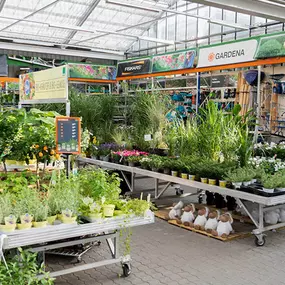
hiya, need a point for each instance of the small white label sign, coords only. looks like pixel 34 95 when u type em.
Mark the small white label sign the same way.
pixel 243 51
pixel 148 138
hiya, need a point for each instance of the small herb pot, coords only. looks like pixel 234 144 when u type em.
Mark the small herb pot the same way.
pixel 108 210
pixel 166 171
pixel 184 175
pixel 246 183
pixel 69 220
pixel 192 177
pixel 51 219
pixel 21 163
pixel 268 190
pixel 222 183
pixel 237 185
pixel 39 224
pixel 204 180
pixel 106 158
pixel 253 181
pixel 132 164
pixel 280 189
pixel 174 173
pixel 60 216
pixel 101 157
pixel 212 181
pixel 7 228
pixel 155 169
pixel 95 215
pixel 25 226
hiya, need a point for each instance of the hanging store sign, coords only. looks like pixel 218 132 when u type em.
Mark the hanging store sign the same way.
pixel 68 135
pixel 134 67
pixel 243 51
pixel 173 61
pixel 271 46
pixel 46 84
pixel 92 71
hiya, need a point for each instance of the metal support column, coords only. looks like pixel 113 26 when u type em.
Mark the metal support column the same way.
pixel 198 95
pixel 258 103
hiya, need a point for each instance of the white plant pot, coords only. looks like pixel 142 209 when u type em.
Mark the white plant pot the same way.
pixel 253 180
pixel 280 189
pixel 246 183
pixel 237 185
pixel 268 190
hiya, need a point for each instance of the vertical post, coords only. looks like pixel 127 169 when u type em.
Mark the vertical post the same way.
pixel 258 101
pixel 68 165
pixel 198 95
pixel 155 187
pixel 67 108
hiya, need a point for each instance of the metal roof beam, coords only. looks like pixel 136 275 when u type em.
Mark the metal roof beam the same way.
pixel 58 51
pixel 85 16
pixel 264 9
pixel 30 15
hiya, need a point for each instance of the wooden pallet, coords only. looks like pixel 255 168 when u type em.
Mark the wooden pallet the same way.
pixel 229 238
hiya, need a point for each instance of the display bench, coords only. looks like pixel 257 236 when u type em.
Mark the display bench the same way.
pixel 264 203
pixel 65 235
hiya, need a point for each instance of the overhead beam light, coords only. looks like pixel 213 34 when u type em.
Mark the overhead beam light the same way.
pixel 226 24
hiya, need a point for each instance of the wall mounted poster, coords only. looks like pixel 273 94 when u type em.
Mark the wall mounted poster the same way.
pixel 46 84
pixel 92 71
pixel 173 61
pixel 134 67
pixel 68 135
pixel 271 46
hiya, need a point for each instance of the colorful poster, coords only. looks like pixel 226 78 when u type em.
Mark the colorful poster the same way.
pixel 46 84
pixel 243 51
pixel 271 46
pixel 173 61
pixel 134 67
pixel 92 71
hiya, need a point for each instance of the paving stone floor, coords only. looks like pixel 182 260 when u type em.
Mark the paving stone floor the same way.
pixel 165 254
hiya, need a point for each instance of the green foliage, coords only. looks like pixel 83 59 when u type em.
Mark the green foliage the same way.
pixel 136 207
pixel 40 211
pixel 6 207
pixel 98 183
pixel 242 174
pixel 23 269
pixel 270 181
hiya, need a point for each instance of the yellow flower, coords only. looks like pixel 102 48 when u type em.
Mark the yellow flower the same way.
pixel 94 140
pixel 45 148
pixel 57 156
pixel 52 152
pixel 41 154
pixel 37 146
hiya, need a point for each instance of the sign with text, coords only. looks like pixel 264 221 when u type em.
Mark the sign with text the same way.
pixel 243 51
pixel 46 84
pixel 173 61
pixel 68 135
pixel 134 67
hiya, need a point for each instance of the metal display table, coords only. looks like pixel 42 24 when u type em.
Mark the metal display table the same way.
pixel 64 235
pixel 264 203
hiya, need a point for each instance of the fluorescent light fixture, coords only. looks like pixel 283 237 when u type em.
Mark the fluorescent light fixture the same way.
pixel 227 24
pixel 31 42
pixel 74 28
pixel 168 42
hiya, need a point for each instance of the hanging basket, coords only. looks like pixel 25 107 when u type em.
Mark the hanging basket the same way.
pixel 251 77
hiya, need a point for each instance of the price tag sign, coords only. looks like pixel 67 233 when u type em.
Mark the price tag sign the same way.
pixel 148 138
pixel 68 135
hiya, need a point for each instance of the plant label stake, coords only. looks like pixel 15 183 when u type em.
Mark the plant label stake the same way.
pixel 68 137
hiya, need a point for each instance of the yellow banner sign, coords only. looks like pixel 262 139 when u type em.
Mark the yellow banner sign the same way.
pixel 46 84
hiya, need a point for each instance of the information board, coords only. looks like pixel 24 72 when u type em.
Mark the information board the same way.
pixel 68 135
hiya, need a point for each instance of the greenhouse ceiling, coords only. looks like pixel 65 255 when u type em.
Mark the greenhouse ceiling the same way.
pixel 113 28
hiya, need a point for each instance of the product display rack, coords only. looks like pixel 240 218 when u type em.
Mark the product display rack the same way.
pixel 264 203
pixel 54 237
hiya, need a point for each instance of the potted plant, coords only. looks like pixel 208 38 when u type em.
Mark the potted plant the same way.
pixel 133 160
pixel 145 162
pixel 7 219
pixel 269 183
pixel 40 214
pixel 108 208
pixel 155 163
pixel 68 216
pixel 90 209
pixel 166 164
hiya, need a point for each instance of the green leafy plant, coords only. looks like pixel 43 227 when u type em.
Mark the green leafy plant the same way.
pixel 242 174
pixel 23 269
pixel 6 207
pixel 270 181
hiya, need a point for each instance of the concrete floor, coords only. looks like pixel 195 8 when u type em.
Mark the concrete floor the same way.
pixel 165 254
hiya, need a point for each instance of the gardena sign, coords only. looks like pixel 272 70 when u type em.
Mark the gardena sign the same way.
pixel 242 51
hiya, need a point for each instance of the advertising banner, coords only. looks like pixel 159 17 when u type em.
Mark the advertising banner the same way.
pixel 46 84
pixel 173 61
pixel 271 46
pixel 243 51
pixel 134 67
pixel 92 71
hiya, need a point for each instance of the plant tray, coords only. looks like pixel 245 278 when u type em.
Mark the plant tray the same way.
pixel 229 238
pixel 257 190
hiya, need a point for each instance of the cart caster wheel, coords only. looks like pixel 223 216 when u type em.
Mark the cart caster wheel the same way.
pixel 260 241
pixel 179 192
pixel 126 270
pixel 79 259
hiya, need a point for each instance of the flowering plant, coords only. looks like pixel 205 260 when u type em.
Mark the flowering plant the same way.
pixel 106 148
pixel 127 153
